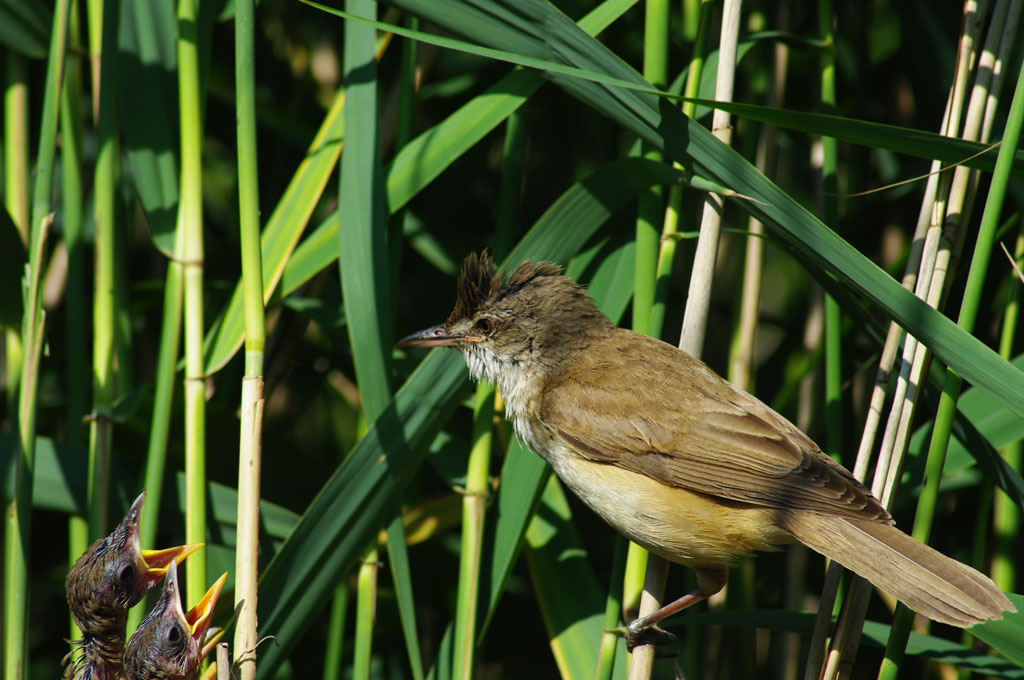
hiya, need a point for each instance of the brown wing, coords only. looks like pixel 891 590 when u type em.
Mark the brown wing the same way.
pixel 685 426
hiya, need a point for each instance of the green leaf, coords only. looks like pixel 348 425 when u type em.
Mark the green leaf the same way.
pixel 1005 634
pixel 909 141
pixel 147 69
pixel 569 595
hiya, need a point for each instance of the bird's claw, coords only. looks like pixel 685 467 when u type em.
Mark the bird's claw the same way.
pixel 637 636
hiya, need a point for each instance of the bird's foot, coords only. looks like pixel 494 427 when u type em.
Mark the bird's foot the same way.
pixel 637 636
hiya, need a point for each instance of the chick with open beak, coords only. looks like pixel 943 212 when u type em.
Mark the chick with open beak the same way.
pixel 110 578
pixel 170 643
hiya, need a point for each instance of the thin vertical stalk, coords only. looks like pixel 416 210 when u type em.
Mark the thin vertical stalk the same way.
pixel 830 213
pixel 18 529
pixel 650 209
pixel 612 612
pixel 831 313
pixel 674 204
pixel 336 633
pixel 952 384
pixel 104 389
pixel 744 337
pixel 251 425
pixel 1006 514
pixel 169 348
pixel 163 398
pixel 74 301
pixel 366 614
pixel 698 297
pixel 650 203
pixel 190 220
pixel 474 504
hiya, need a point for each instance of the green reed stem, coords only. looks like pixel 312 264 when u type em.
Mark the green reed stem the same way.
pixel 251 425
pixel 830 215
pixel 896 646
pixel 650 206
pixel 169 346
pixel 72 192
pixel 163 398
pixel 336 633
pixel 650 212
pixel 474 504
pixel 612 612
pixel 1006 514
pixel 104 388
pixel 190 220
pixel 18 528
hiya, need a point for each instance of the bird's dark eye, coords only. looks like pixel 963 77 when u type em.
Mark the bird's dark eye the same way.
pixel 485 324
pixel 174 634
pixel 127 573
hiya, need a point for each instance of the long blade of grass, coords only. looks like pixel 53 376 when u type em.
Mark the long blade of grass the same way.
pixel 365 276
pixel 911 141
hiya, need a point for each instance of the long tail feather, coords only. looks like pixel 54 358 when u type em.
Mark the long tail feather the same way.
pixel 924 579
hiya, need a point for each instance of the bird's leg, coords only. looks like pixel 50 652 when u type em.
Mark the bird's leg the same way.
pixel 645 630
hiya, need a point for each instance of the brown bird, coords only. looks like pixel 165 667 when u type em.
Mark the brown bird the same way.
pixel 110 578
pixel 674 457
pixel 169 643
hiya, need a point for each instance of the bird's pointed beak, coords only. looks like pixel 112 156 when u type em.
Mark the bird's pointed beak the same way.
pixel 154 562
pixel 435 336
pixel 198 618
pixel 157 561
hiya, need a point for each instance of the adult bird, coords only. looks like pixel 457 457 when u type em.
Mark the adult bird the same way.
pixel 169 643
pixel 674 457
pixel 110 578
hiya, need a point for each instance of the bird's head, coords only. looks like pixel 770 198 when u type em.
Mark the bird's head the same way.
pixel 170 643
pixel 529 321
pixel 114 574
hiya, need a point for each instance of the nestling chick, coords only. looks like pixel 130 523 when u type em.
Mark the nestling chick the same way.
pixel 110 578
pixel 169 643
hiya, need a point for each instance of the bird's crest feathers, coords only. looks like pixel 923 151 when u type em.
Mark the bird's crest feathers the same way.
pixel 480 282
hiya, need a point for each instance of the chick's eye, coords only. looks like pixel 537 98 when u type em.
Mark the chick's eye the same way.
pixel 173 634
pixel 127 573
pixel 485 325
